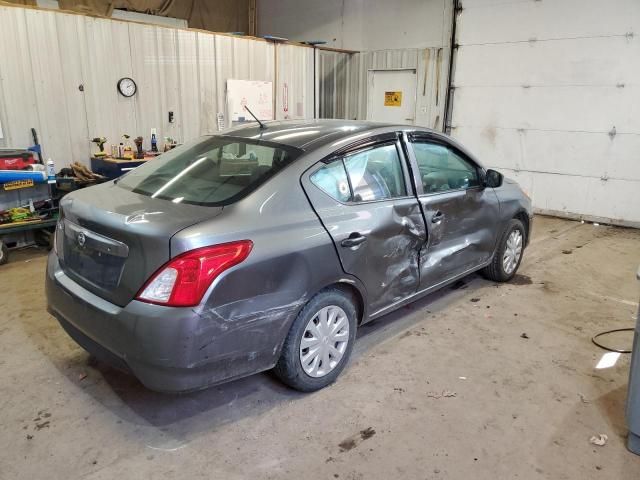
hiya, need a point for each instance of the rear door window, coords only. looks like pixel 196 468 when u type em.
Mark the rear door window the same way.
pixel 210 171
pixel 376 174
pixel 332 180
pixel 367 175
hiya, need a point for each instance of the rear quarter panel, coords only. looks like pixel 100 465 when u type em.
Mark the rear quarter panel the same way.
pixel 249 309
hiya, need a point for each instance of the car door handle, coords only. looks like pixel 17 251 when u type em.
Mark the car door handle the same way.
pixel 437 217
pixel 354 240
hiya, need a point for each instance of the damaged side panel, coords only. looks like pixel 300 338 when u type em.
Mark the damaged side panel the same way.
pixel 387 262
pixel 241 326
pixel 462 233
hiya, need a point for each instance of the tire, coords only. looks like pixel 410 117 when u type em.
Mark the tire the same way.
pixel 341 310
pixel 497 270
pixel 4 253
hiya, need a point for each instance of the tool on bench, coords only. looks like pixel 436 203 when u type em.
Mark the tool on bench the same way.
pixel 127 151
pixel 169 144
pixel 154 141
pixel 138 142
pixel 100 141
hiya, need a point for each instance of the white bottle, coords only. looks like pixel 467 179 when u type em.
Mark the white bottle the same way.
pixel 51 172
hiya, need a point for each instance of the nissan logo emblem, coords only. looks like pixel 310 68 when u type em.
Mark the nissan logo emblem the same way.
pixel 81 239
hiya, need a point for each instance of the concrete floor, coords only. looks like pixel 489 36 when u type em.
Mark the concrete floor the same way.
pixel 444 389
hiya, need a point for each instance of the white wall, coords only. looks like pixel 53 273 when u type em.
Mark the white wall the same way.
pixel 431 65
pixel 388 35
pixel 358 24
pixel 45 56
pixel 540 87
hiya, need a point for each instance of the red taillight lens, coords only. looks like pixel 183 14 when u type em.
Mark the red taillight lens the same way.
pixel 184 280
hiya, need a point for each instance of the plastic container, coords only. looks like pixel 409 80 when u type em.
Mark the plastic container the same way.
pixel 51 171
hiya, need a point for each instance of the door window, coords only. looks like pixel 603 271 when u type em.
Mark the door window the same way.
pixel 442 169
pixel 332 180
pixel 376 174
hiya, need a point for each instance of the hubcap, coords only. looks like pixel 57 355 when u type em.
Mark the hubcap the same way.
pixel 512 252
pixel 324 341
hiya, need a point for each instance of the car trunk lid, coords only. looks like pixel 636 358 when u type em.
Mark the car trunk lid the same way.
pixel 111 240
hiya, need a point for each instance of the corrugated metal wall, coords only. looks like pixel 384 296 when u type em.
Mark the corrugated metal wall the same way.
pixel 294 91
pixel 46 56
pixel 431 70
pixel 342 82
pixel 553 103
pixel 334 70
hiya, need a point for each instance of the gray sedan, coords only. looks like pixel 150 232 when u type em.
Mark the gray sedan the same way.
pixel 266 248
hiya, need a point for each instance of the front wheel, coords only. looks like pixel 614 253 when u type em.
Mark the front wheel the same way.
pixel 319 343
pixel 508 255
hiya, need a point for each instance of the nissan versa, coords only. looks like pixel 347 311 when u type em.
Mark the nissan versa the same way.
pixel 267 247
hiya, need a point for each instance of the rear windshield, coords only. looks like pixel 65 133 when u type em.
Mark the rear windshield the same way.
pixel 210 171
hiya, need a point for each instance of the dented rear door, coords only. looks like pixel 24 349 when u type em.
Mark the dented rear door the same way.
pixel 365 201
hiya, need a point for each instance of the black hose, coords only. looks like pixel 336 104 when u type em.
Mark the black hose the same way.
pixel 593 339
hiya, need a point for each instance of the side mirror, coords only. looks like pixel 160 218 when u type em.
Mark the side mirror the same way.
pixel 493 179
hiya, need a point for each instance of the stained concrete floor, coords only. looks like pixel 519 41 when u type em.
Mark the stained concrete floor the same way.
pixel 446 388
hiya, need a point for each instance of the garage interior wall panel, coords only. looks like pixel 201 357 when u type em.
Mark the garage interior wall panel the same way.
pixel 33 89
pixel 71 35
pixel 207 83
pixel 294 89
pixel 107 60
pixel 334 71
pixel 431 65
pixel 62 80
pixel 548 93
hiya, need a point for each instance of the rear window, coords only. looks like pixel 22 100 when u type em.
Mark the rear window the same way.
pixel 210 171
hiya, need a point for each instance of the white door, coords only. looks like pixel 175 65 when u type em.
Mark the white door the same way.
pixel 392 96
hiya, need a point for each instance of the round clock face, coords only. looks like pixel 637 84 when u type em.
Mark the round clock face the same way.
pixel 127 87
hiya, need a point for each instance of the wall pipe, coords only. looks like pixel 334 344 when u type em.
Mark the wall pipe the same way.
pixel 448 107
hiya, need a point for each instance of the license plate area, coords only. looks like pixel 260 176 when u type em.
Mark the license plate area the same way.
pixel 94 258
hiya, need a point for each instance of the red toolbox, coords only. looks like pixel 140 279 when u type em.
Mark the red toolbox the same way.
pixel 16 159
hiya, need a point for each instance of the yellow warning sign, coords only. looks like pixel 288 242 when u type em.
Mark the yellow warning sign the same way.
pixel 392 99
pixel 16 184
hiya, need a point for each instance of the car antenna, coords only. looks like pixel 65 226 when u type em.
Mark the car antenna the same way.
pixel 262 125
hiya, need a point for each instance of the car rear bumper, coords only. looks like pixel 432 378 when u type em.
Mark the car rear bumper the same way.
pixel 167 349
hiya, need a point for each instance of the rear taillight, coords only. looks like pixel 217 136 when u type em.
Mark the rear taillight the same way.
pixel 183 281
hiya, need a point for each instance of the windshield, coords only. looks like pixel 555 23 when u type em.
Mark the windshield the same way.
pixel 210 171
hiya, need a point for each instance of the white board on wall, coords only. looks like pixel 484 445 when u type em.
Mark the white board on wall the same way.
pixel 257 95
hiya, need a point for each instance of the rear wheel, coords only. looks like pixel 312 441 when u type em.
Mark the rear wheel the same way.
pixel 320 341
pixel 508 255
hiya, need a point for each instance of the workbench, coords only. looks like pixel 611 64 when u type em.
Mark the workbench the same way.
pixel 42 229
pixel 113 168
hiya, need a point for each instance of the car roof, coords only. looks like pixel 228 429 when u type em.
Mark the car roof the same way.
pixel 311 134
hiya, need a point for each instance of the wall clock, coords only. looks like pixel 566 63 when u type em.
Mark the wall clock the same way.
pixel 127 87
